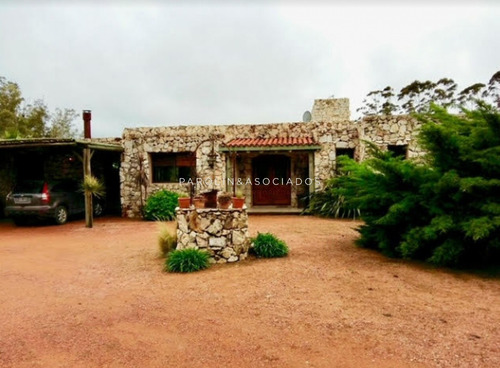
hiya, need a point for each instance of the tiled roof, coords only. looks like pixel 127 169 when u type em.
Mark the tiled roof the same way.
pixel 266 142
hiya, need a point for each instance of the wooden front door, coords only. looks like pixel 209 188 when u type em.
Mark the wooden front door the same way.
pixel 271 172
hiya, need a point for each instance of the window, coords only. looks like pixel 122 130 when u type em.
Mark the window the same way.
pixel 171 167
pixel 398 150
pixel 349 152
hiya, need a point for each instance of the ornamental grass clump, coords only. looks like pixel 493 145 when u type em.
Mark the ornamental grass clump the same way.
pixel 268 245
pixel 187 260
pixel 167 241
pixel 331 202
pixel 93 186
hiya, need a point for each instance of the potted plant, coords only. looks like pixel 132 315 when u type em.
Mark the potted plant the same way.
pixel 199 202
pixel 239 200
pixel 184 200
pixel 224 200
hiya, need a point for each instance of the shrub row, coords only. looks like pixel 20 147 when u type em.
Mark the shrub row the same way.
pixel 444 208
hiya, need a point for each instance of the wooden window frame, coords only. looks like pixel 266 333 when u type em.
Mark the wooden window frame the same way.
pixel 165 166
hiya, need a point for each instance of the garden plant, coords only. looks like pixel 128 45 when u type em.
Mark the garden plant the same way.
pixel 161 205
pixel 446 209
pixel 267 245
pixel 167 241
pixel 187 260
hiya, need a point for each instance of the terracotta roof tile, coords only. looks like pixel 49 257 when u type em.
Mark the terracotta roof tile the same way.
pixel 266 142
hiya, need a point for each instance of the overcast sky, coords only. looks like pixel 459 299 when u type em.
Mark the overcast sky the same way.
pixel 229 62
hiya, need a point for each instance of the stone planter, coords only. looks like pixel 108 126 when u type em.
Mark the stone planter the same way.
pixel 221 233
pixel 184 202
pixel 238 202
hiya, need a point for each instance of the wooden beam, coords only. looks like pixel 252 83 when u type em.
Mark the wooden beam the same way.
pixel 100 146
pixel 311 173
pixel 87 156
pixel 234 174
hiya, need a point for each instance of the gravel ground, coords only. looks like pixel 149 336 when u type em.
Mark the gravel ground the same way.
pixel 77 297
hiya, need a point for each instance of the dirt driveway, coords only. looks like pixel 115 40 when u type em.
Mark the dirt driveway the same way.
pixel 77 297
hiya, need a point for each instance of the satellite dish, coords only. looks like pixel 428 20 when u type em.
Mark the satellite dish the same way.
pixel 306 117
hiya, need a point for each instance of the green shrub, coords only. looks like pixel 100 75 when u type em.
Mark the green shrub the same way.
pixel 269 246
pixel 187 260
pixel 166 240
pixel 161 205
pixel 445 208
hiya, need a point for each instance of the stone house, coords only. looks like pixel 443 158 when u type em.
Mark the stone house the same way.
pixel 275 165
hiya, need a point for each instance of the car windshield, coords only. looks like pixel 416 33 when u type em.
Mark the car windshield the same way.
pixel 29 186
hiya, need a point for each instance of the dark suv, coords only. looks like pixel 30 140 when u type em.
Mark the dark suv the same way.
pixel 38 199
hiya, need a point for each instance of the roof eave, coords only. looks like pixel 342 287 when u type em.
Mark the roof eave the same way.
pixel 270 148
pixel 100 146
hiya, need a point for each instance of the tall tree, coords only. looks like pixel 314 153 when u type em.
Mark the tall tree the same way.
pixel 61 124
pixel 19 119
pixel 32 121
pixel 10 102
pixel 443 93
pixel 469 95
pixel 418 96
pixel 493 91
pixel 379 102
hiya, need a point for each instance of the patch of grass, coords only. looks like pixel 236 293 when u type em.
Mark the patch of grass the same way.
pixel 187 260
pixel 267 245
pixel 166 240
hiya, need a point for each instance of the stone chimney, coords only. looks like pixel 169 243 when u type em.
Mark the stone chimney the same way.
pixel 331 109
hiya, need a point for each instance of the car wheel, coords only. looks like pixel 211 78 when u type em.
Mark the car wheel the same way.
pixel 98 209
pixel 61 216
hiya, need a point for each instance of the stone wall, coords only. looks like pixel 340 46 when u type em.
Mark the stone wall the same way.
pixel 139 143
pixel 336 132
pixel 332 135
pixel 391 130
pixel 222 233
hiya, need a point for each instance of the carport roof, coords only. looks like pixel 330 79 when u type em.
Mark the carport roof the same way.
pixel 53 142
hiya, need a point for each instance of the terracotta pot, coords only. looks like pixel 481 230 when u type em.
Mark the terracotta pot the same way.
pixel 224 204
pixel 199 202
pixel 238 202
pixel 184 202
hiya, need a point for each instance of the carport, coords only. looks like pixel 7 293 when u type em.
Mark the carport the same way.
pixel 54 158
